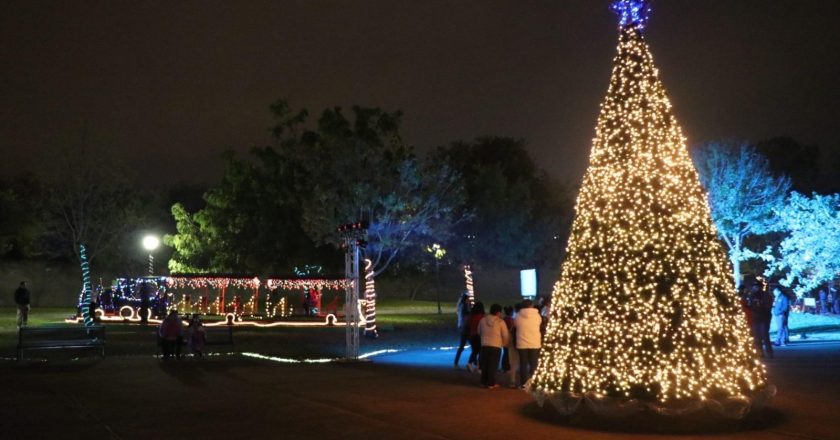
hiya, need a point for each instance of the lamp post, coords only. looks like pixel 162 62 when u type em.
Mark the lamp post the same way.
pixel 150 243
pixel 438 252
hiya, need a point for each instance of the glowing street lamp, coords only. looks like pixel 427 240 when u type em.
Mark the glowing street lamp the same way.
pixel 150 243
pixel 438 252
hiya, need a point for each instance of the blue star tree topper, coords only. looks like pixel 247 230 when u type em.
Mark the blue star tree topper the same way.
pixel 633 13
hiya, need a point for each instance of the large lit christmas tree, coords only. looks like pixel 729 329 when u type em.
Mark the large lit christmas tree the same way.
pixel 645 314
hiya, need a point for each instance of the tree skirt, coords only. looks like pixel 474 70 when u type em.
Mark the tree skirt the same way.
pixel 735 407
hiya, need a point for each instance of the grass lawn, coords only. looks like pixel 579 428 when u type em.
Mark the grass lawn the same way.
pixel 403 324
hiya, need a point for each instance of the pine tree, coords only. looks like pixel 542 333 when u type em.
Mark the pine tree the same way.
pixel 645 313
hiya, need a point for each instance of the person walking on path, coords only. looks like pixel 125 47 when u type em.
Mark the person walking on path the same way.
pixel 171 334
pixel 22 301
pixel 476 314
pixel 494 335
pixel 781 310
pixel 528 340
pixel 462 309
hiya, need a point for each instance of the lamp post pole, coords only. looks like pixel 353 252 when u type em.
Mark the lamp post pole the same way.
pixel 150 243
pixel 438 252
pixel 437 284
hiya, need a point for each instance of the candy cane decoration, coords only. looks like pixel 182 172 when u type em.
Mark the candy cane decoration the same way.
pixel 470 290
pixel 370 301
pixel 88 292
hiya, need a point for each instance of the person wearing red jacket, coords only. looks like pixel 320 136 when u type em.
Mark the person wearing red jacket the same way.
pixel 476 314
pixel 171 333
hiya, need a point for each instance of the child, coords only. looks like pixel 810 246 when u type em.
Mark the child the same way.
pixel 197 336
pixel 510 356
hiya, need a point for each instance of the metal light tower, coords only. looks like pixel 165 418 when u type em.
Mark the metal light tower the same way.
pixel 353 235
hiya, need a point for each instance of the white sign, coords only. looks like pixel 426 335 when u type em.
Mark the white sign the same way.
pixel 528 283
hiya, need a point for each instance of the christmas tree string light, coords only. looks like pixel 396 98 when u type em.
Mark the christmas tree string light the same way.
pixel 645 315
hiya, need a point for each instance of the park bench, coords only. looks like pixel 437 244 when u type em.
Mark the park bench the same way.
pixel 55 337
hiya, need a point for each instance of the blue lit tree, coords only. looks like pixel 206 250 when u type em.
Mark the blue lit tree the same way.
pixel 810 254
pixel 744 197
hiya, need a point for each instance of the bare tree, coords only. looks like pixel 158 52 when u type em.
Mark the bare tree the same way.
pixel 744 197
pixel 89 201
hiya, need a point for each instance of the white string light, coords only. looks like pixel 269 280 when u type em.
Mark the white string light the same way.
pixel 644 308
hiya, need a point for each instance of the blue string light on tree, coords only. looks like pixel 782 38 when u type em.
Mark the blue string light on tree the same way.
pixel 86 289
pixel 632 12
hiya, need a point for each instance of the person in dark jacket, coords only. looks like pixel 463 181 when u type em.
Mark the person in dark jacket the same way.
pixel 22 301
pixel 761 303
pixel 462 309
pixel 781 310
pixel 823 303
pixel 145 294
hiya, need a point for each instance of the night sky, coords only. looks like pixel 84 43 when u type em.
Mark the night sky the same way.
pixel 169 85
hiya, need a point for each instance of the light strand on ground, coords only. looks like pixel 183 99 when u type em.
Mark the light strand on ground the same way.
pixel 130 314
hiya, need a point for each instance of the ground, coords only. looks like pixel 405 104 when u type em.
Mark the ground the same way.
pixel 411 394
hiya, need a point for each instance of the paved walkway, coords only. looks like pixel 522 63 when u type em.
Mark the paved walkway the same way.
pixel 408 395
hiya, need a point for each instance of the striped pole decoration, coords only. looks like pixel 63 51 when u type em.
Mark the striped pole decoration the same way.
pixel 370 301
pixel 87 291
pixel 470 290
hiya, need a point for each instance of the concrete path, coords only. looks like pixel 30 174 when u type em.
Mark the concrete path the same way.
pixel 408 395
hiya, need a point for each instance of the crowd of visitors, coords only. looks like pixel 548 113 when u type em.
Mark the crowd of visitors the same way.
pixel 509 338
pixel 761 307
pixel 172 335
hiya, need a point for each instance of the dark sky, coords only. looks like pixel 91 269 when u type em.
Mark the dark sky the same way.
pixel 169 85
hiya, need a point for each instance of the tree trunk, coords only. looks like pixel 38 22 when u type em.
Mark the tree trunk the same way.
pixel 736 270
pixel 735 259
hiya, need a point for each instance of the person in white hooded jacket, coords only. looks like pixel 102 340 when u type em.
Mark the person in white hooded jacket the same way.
pixel 494 335
pixel 528 339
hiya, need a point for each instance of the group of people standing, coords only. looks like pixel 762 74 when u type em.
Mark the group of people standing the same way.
pixel 829 302
pixel 760 306
pixel 171 335
pixel 512 339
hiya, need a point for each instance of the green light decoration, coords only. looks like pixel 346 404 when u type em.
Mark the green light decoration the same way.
pixel 86 289
pixel 308 270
